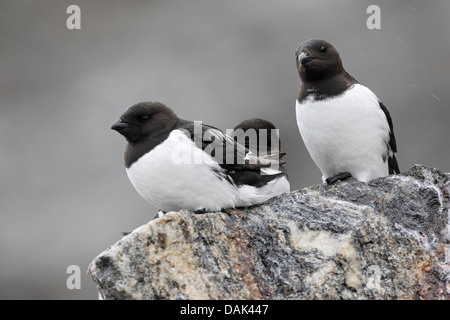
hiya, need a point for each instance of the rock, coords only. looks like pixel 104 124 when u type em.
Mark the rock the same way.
pixel 386 239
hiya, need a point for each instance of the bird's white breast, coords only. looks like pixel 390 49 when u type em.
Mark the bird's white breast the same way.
pixel 168 180
pixel 346 133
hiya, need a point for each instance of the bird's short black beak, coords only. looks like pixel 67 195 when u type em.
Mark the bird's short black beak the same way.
pixel 119 125
pixel 304 58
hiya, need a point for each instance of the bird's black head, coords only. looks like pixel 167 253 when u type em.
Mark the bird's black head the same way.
pixel 145 119
pixel 317 59
pixel 258 125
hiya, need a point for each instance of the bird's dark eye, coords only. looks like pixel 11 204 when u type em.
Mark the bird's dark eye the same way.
pixel 323 49
pixel 143 117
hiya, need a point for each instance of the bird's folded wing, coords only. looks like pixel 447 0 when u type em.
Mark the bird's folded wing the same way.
pixel 227 152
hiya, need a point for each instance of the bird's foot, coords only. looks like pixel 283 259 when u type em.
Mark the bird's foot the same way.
pixel 227 210
pixel 341 176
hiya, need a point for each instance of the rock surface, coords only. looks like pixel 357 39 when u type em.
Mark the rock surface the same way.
pixel 386 239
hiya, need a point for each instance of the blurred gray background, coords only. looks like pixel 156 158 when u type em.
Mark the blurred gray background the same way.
pixel 65 196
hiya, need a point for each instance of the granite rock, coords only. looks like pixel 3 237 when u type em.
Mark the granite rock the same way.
pixel 386 239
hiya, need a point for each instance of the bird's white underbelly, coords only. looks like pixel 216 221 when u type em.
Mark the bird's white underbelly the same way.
pixel 346 133
pixel 165 179
pixel 249 195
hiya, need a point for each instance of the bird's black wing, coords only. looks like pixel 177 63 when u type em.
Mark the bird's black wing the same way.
pixel 392 160
pixel 221 147
pixel 243 166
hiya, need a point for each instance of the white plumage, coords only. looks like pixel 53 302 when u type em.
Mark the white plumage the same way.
pixel 250 195
pixel 167 178
pixel 346 133
pixel 168 183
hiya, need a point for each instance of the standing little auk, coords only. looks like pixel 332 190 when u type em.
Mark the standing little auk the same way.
pixel 347 131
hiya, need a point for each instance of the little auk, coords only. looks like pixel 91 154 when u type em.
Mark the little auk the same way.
pixel 346 129
pixel 261 137
pixel 178 164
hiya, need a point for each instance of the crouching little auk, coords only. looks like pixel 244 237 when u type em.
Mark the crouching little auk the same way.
pixel 178 164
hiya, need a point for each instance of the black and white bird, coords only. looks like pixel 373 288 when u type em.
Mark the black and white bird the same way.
pixel 262 138
pixel 262 129
pixel 346 129
pixel 178 164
